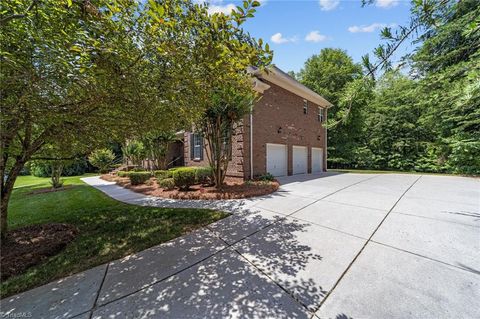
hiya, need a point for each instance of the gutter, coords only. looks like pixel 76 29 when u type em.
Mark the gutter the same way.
pixel 251 143
pixel 326 140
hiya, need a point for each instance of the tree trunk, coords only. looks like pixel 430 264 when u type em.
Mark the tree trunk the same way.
pixel 57 169
pixel 4 214
pixel 6 191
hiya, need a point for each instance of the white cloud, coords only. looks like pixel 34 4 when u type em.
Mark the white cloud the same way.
pixel 327 5
pixel 386 3
pixel 369 28
pixel 315 36
pixel 279 39
pixel 221 8
pixel 217 6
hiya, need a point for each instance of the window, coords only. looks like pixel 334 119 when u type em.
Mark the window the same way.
pixel 305 107
pixel 196 146
pixel 320 115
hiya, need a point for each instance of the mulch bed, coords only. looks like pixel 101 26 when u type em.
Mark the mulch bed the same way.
pixel 49 190
pixel 234 188
pixel 29 246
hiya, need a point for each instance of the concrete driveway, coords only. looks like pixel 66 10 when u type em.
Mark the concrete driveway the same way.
pixel 328 246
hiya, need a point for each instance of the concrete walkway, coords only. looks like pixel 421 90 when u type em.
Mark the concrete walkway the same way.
pixel 323 246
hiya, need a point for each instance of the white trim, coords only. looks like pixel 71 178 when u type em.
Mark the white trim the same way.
pixel 280 78
pixel 251 144
pixel 260 86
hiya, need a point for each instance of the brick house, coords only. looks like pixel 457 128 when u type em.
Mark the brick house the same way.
pixel 284 134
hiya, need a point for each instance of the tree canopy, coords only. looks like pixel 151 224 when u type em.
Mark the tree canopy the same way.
pixel 425 117
pixel 76 74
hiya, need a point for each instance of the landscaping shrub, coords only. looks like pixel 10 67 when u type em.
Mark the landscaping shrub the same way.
pixel 184 177
pixel 167 183
pixel 162 174
pixel 203 175
pixel 102 159
pixel 72 168
pixel 266 177
pixel 137 178
pixel 122 174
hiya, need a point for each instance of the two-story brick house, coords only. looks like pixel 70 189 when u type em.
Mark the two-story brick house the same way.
pixel 284 134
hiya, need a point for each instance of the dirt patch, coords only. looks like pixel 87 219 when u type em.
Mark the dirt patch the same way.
pixel 49 190
pixel 234 188
pixel 28 246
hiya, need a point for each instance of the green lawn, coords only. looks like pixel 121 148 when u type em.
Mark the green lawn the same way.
pixel 372 171
pixel 108 229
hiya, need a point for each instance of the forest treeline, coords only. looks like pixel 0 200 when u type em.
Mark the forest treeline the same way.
pixel 423 116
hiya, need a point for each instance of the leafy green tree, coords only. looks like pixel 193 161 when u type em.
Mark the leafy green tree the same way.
pixel 431 123
pixel 134 152
pixel 330 74
pixel 157 145
pixel 395 135
pixel 229 105
pixel 77 74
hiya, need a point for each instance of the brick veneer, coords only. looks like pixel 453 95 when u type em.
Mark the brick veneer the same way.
pixel 277 118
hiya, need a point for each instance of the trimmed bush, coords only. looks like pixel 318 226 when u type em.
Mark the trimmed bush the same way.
pixel 122 174
pixel 162 174
pixel 203 175
pixel 102 159
pixel 184 177
pixel 137 178
pixel 167 183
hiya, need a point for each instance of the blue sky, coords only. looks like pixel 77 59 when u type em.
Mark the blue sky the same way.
pixel 296 30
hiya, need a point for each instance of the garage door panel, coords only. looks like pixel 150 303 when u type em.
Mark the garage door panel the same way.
pixel 277 159
pixel 300 159
pixel 317 160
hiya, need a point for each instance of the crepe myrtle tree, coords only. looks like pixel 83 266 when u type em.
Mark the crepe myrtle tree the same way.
pixel 229 105
pixel 157 144
pixel 87 72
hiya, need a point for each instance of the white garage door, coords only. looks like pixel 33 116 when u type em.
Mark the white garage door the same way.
pixel 317 160
pixel 300 159
pixel 277 159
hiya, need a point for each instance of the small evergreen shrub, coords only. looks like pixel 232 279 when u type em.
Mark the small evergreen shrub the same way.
pixel 122 174
pixel 203 175
pixel 184 177
pixel 266 177
pixel 137 178
pixel 167 183
pixel 162 174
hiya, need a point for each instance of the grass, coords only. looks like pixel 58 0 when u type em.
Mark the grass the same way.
pixel 372 171
pixel 108 229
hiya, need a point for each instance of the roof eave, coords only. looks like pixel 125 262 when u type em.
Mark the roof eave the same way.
pixel 278 77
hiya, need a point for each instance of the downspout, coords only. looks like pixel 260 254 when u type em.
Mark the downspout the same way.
pixel 326 139
pixel 251 143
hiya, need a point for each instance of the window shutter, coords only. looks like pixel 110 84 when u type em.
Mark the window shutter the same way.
pixel 201 146
pixel 192 145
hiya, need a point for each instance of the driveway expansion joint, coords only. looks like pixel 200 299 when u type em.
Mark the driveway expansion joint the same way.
pixel 426 257
pixel 365 245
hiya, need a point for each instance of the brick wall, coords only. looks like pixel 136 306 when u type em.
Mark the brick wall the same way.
pixel 235 166
pixel 278 118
